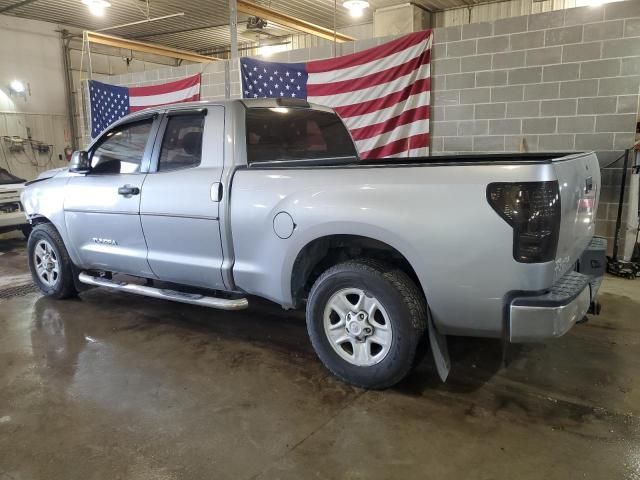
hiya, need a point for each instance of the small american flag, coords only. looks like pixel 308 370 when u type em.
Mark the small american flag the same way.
pixel 111 102
pixel 382 94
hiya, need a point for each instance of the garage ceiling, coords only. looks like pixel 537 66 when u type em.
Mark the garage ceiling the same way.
pixel 204 25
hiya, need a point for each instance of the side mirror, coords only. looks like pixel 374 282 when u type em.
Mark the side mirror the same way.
pixel 80 162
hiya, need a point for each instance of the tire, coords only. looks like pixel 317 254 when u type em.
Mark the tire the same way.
pixel 45 246
pixel 370 357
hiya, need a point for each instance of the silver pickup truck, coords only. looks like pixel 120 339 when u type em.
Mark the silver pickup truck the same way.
pixel 208 203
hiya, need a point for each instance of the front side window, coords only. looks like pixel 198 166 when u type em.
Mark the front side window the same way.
pixel 295 134
pixel 122 149
pixel 182 142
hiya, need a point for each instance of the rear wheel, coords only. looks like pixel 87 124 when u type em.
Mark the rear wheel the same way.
pixel 365 320
pixel 49 262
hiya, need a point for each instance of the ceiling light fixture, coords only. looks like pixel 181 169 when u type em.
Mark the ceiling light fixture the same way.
pixel 17 86
pixel 97 7
pixel 355 7
pixel 592 3
pixel 268 50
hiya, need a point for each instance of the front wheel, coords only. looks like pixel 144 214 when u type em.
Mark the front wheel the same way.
pixel 49 262
pixel 365 320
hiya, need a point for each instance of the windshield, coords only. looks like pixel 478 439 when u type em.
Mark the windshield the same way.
pixel 6 178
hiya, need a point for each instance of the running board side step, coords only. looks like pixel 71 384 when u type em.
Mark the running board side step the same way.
pixel 192 298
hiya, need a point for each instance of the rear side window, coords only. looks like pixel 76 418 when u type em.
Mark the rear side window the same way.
pixel 295 134
pixel 182 143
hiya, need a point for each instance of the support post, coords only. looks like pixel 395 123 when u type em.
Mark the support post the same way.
pixel 233 27
pixel 623 184
pixel 71 104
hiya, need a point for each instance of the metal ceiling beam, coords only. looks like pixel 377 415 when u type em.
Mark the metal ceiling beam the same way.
pixel 180 30
pixel 288 21
pixel 16 5
pixel 139 22
pixel 119 42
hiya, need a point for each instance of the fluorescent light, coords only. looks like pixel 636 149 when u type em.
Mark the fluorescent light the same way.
pixel 592 3
pixel 97 7
pixel 268 50
pixel 355 7
pixel 17 86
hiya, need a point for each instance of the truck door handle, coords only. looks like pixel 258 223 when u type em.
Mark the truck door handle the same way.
pixel 216 192
pixel 128 190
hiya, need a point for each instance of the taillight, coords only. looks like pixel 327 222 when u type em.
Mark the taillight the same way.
pixel 533 211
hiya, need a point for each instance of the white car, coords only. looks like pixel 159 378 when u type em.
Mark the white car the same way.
pixel 12 215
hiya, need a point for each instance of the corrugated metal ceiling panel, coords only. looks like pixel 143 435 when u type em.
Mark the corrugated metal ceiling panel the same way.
pixel 204 24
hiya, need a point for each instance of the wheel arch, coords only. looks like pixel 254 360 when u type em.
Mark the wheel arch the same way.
pixel 323 252
pixel 38 219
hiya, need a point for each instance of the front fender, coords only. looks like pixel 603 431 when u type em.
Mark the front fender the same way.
pixel 45 199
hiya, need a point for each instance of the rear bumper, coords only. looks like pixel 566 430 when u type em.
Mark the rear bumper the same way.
pixel 552 314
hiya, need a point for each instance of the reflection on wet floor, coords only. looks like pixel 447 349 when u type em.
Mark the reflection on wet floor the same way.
pixel 115 386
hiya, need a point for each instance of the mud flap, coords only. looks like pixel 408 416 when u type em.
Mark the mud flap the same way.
pixel 439 350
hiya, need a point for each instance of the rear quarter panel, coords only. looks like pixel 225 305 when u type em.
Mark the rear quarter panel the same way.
pixel 436 216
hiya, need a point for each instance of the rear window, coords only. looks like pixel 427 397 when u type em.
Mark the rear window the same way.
pixel 295 134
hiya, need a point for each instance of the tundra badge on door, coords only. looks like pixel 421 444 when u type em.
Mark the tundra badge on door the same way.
pixel 104 241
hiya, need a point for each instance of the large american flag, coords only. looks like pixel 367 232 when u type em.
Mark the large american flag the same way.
pixel 382 94
pixel 112 102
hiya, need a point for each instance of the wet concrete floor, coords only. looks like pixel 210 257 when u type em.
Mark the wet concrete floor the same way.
pixel 112 386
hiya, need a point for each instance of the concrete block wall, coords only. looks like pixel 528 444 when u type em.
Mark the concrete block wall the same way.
pixel 563 80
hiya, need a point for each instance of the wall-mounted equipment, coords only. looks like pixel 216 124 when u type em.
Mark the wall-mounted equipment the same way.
pixel 40 147
pixel 256 23
pixel 14 144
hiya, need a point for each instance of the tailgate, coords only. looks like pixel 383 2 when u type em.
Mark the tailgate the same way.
pixel 579 184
